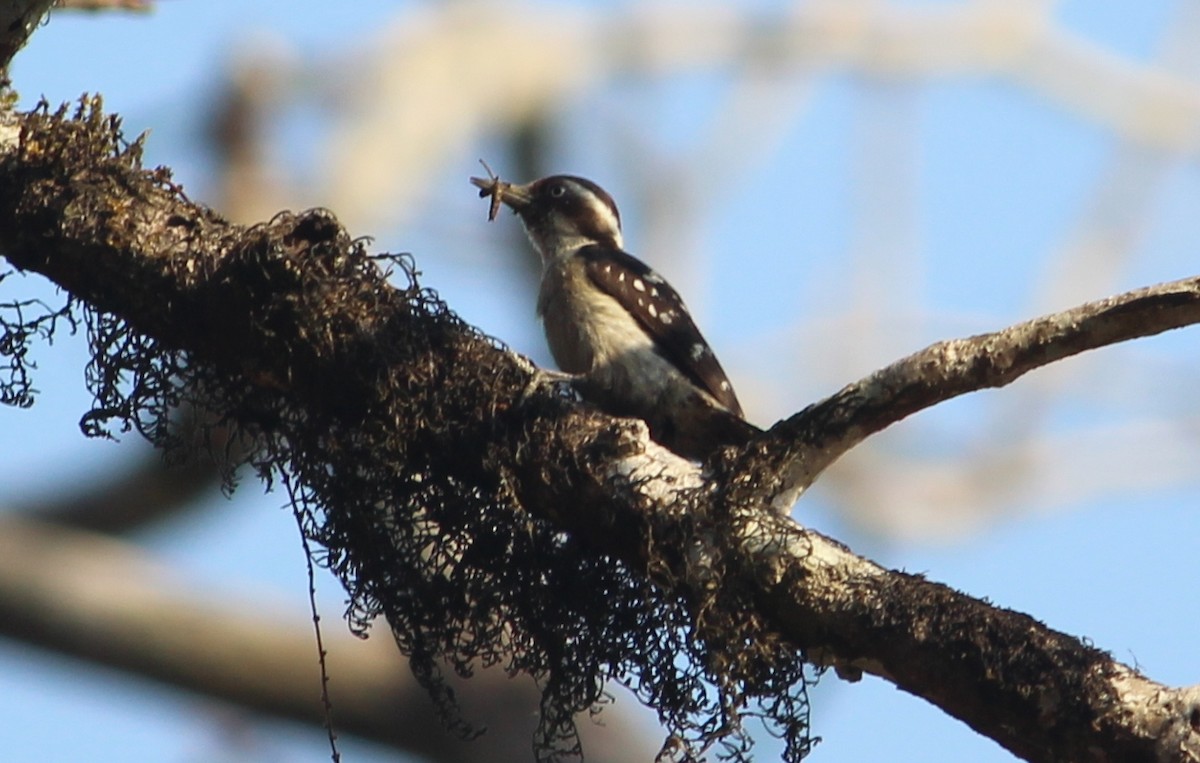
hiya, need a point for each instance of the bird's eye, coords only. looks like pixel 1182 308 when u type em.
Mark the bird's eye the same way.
pixel 558 191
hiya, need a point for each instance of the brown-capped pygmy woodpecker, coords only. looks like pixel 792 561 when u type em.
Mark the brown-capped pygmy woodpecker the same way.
pixel 616 324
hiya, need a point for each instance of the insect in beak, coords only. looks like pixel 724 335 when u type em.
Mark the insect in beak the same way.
pixel 493 187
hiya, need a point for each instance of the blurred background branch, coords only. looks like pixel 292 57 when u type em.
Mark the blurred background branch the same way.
pixel 104 602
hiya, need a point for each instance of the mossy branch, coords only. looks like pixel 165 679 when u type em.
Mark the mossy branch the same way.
pixel 492 518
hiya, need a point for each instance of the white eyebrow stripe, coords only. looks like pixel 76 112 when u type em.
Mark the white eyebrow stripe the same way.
pixel 611 221
pixel 607 217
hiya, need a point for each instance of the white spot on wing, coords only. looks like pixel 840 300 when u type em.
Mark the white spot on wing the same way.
pixel 724 386
pixel 637 284
pixel 621 277
pixel 654 278
pixel 653 312
pixel 698 351
pixel 653 292
pixel 667 317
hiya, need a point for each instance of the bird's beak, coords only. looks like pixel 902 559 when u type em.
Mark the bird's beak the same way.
pixel 517 197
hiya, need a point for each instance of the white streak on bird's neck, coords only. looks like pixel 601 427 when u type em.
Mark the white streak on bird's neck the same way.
pixel 556 245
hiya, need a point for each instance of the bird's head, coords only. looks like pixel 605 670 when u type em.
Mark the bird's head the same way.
pixel 561 213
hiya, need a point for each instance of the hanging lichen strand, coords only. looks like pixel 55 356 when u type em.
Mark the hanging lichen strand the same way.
pixel 410 449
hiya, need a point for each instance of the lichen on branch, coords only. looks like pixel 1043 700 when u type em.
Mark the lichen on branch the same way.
pixel 492 518
pixel 422 457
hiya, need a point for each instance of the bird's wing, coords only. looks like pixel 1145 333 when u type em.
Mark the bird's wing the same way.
pixel 660 311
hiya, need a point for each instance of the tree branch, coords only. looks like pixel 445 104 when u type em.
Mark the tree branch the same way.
pixel 810 441
pixel 310 325
pixel 145 492
pixel 1041 694
pixel 374 702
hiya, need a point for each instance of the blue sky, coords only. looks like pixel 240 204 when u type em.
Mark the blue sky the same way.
pixel 995 179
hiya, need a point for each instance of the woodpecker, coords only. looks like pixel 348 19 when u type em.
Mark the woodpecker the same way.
pixel 617 325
